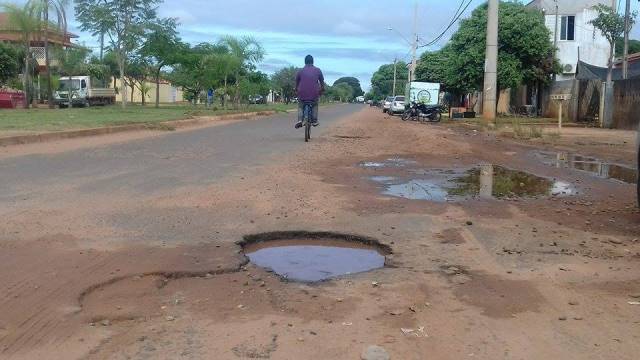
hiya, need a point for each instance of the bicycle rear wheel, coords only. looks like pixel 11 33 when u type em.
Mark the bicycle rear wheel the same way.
pixel 307 131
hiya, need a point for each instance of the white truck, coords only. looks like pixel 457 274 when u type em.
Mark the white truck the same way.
pixel 422 93
pixel 82 92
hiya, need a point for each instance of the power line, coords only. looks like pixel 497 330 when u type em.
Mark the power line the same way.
pixel 455 19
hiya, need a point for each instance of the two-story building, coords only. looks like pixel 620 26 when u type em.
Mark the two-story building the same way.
pixel 56 38
pixel 577 40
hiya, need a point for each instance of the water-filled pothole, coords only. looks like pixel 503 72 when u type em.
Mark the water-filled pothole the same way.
pixel 591 165
pixel 391 162
pixel 484 181
pixel 314 257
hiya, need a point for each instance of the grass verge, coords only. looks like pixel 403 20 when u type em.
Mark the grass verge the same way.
pixel 39 120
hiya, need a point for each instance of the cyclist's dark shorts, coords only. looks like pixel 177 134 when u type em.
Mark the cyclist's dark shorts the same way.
pixel 314 111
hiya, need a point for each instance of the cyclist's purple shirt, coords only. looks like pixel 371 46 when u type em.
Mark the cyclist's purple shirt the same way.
pixel 308 83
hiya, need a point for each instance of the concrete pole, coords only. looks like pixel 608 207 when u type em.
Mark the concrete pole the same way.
pixel 627 20
pixel 561 105
pixel 395 75
pixel 490 90
pixel 555 37
pixel 414 46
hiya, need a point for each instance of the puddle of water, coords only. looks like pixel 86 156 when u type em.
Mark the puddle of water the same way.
pixel 593 166
pixel 391 162
pixel 313 260
pixel 485 181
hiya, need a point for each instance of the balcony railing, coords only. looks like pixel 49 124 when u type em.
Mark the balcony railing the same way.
pixel 38 53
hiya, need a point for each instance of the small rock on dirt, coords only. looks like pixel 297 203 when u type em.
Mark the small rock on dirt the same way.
pixel 375 352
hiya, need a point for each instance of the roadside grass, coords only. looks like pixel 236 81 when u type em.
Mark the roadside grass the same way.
pixel 84 118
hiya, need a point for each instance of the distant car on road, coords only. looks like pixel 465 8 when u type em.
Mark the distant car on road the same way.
pixel 257 99
pixel 386 104
pixel 397 105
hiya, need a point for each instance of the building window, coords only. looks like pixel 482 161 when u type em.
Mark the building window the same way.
pixel 568 28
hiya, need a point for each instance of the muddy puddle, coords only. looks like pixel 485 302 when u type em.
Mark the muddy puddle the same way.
pixel 314 260
pixel 484 181
pixel 391 162
pixel 592 166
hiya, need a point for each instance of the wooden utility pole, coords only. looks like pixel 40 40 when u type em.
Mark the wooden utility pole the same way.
pixel 490 90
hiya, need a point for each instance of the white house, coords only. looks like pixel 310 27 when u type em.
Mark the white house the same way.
pixel 577 38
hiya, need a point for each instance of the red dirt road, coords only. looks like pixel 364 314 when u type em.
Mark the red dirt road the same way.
pixel 543 278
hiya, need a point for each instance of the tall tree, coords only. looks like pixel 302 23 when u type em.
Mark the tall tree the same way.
pixel 525 51
pixel 22 20
pixel 353 82
pixel 199 68
pixel 611 24
pixel 382 79
pixel 123 21
pixel 162 47
pixel 285 81
pixel 248 51
pixel 44 8
pixel 9 63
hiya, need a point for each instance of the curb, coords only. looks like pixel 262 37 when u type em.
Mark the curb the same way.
pixel 71 134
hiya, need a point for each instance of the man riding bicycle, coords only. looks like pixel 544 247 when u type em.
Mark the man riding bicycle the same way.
pixel 309 87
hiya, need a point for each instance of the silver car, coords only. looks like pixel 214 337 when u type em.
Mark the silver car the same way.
pixel 386 104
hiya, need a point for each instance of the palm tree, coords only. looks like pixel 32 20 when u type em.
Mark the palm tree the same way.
pixel 43 9
pixel 21 20
pixel 247 50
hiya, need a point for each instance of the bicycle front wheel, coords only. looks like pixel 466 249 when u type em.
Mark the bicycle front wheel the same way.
pixel 307 131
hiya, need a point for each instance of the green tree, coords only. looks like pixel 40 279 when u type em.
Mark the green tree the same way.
pixel 432 66
pixel 23 21
pixel 611 24
pixel 353 82
pixel 634 46
pixel 524 56
pixel 199 68
pixel 285 81
pixel 9 63
pixel 248 51
pixel 162 47
pixel 43 11
pixel 342 92
pixel 123 21
pixel 255 83
pixel 382 79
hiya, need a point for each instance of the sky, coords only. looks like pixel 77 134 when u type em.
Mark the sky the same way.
pixel 346 37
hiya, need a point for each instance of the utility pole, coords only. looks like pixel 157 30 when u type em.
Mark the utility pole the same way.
pixel 490 90
pixel 627 22
pixel 395 74
pixel 414 45
pixel 555 37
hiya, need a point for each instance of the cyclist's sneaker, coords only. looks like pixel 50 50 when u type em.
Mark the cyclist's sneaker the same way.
pixel 315 123
pixel 298 124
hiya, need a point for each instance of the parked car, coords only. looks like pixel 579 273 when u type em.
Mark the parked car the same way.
pixel 257 99
pixel 386 104
pixel 397 105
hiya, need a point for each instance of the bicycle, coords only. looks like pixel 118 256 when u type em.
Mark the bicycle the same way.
pixel 307 118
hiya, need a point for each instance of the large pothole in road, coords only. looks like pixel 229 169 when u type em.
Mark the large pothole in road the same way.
pixel 484 181
pixel 314 257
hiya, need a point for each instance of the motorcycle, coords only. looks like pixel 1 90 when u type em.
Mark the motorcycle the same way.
pixel 423 113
